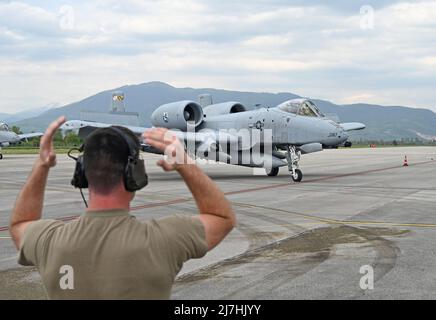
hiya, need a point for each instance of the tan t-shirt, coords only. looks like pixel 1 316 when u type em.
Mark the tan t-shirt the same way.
pixel 111 255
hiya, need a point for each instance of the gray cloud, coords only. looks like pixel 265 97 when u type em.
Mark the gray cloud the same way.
pixel 308 47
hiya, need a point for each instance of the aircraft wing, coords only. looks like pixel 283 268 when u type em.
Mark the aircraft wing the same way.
pixel 84 128
pixel 30 135
pixel 350 126
pixel 205 139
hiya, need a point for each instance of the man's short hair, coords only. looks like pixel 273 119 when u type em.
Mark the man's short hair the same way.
pixel 105 157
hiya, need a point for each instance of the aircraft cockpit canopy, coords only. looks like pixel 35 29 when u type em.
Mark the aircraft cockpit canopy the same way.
pixel 301 107
pixel 4 127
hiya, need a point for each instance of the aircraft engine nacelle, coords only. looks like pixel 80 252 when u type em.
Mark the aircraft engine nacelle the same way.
pixel 178 115
pixel 4 144
pixel 224 108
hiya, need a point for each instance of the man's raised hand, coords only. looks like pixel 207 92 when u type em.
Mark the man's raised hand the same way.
pixel 170 145
pixel 47 155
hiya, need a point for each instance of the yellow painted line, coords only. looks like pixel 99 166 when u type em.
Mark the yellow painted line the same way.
pixel 318 220
pixel 335 221
pixel 393 224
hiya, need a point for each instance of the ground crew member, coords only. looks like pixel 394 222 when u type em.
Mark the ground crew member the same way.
pixel 107 253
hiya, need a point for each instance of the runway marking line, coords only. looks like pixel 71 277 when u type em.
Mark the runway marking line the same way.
pixel 327 178
pixel 273 186
pixel 343 222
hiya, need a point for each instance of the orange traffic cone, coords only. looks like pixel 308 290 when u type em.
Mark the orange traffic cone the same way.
pixel 405 164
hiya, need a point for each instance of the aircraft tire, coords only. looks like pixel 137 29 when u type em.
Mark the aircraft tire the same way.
pixel 299 176
pixel 1 156
pixel 273 172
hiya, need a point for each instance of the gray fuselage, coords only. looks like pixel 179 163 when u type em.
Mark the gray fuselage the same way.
pixel 286 128
pixel 8 137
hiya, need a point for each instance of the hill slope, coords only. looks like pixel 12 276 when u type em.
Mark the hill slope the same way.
pixel 383 123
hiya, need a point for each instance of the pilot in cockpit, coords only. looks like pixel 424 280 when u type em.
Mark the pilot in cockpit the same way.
pixel 4 127
pixel 302 108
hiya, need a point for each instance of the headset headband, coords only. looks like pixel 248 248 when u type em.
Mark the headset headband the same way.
pixel 128 139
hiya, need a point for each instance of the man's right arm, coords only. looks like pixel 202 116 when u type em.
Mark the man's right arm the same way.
pixel 216 213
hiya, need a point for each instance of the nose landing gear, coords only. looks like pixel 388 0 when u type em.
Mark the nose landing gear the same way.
pixel 298 175
pixel 293 157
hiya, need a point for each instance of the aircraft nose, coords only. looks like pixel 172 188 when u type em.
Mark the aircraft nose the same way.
pixel 343 135
pixel 66 127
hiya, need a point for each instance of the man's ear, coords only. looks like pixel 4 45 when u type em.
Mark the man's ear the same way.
pixel 122 188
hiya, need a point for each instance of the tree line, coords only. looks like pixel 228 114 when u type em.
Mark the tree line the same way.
pixel 70 140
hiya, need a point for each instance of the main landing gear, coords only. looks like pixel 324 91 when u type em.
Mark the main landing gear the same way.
pixel 272 172
pixel 1 156
pixel 293 157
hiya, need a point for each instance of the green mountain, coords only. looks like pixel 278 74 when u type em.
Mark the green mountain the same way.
pixel 383 123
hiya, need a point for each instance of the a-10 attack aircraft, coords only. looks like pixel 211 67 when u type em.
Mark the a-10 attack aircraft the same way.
pixel 8 137
pixel 267 138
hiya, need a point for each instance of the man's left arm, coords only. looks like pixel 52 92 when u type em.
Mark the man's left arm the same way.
pixel 29 204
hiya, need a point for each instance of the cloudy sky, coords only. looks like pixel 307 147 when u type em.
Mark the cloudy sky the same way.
pixel 345 51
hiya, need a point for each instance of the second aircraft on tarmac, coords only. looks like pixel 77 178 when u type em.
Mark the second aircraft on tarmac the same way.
pixel 8 137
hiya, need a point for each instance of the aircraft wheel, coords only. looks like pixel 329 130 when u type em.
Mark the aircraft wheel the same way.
pixel 273 172
pixel 298 176
pixel 1 156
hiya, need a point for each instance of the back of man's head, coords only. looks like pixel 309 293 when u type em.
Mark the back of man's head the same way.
pixel 105 157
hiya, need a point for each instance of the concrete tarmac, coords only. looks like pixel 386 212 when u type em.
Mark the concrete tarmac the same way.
pixel 309 240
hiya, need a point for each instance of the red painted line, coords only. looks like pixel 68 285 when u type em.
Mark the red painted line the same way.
pixel 325 178
pixel 182 200
pixel 160 204
pixel 367 171
pixel 135 208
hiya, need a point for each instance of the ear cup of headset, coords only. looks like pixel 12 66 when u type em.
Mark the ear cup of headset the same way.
pixel 135 177
pixel 79 179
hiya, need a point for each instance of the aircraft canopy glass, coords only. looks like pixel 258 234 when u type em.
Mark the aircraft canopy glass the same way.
pixel 290 107
pixel 4 127
pixel 303 108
